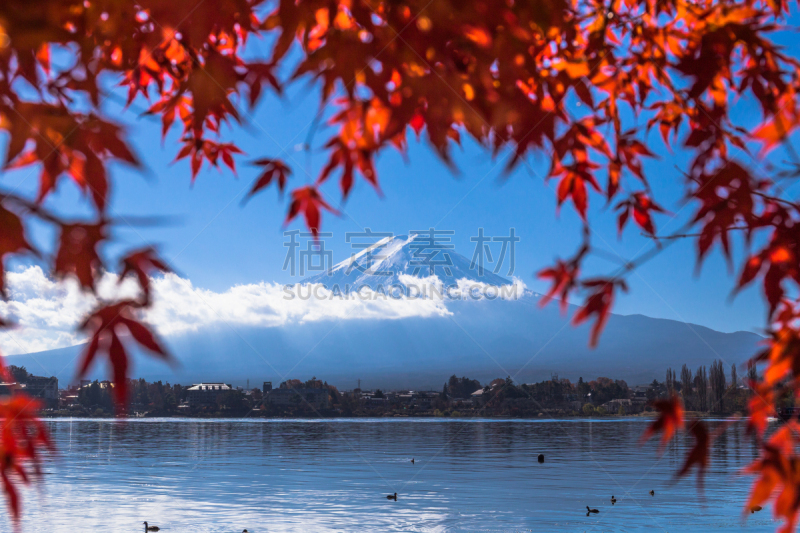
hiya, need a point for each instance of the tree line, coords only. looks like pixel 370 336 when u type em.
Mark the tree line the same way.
pixel 708 389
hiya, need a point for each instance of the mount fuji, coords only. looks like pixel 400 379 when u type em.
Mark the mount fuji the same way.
pixel 391 262
pixel 481 338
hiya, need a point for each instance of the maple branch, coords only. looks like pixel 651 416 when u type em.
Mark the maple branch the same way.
pixel 778 200
pixel 32 207
pixel 688 235
pixel 791 150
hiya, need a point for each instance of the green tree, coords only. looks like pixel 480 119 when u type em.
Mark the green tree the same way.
pixel 20 373
pixel 462 387
pixel 583 388
pixel 718 386
pixel 686 385
pixel 170 403
pixel 701 388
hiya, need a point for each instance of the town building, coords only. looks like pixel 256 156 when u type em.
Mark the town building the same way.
pixel 286 397
pixel 202 394
pixel 43 388
pixel 372 402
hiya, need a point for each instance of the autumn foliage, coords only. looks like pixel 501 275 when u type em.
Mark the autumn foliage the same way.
pixel 555 77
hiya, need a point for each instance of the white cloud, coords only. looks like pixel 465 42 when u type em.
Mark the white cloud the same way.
pixel 47 312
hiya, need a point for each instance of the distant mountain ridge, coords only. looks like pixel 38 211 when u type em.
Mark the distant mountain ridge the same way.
pixel 481 339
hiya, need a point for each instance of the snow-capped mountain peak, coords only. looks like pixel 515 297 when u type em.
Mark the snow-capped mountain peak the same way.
pixel 383 263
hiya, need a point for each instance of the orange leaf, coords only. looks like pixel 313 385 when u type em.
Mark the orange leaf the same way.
pixel 778 128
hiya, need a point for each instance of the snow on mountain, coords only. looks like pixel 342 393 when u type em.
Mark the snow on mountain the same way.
pixel 392 261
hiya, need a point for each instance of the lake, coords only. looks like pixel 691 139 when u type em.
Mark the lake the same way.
pixel 333 475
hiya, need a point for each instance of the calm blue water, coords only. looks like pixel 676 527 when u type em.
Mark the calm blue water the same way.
pixel 473 475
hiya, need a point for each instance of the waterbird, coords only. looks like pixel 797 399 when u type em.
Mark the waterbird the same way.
pixel 755 509
pixel 652 493
pixel 613 500
pixel 591 510
pixel 150 528
pixel 392 497
pixel 541 458
pixel 412 460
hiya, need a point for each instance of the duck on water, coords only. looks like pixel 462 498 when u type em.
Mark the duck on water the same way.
pixel 150 528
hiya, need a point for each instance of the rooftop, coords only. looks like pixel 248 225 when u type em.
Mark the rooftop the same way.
pixel 210 386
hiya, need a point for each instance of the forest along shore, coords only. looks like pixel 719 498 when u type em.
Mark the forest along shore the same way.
pixel 705 392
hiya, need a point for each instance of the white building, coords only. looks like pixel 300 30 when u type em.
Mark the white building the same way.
pixel 206 393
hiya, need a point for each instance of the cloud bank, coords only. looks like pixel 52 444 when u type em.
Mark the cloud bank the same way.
pixel 47 312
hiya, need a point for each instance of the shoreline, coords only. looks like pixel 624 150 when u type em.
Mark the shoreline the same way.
pixel 646 417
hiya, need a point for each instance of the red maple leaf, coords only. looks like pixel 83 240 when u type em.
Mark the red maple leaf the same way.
pixel 274 169
pixel 12 240
pixel 641 205
pixel 308 201
pixel 143 263
pixel 598 303
pixel 778 471
pixel 573 184
pixel 23 439
pixel 668 422
pixel 564 277
pixel 77 252
pixel 106 324
pixel 197 149
pixel 417 122
pixel 727 198
pixel 698 455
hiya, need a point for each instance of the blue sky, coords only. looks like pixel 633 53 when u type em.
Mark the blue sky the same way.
pixel 214 241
